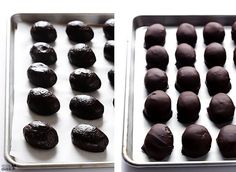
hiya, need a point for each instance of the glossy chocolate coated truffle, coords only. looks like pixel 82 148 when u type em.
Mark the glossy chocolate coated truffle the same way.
pixel 155 35
pixel 157 57
pixel 44 53
pixel 157 107
pixel 109 50
pixel 233 32
pixel 111 75
pixel 81 55
pixel 218 80
pixel 221 108
pixel 84 80
pixel 89 138
pixel 43 31
pixel 158 143
pixel 186 33
pixel 42 101
pixel 188 79
pixel 213 32
pixel 196 141
pixel 108 29
pixel 188 106
pixel 155 79
pixel 40 135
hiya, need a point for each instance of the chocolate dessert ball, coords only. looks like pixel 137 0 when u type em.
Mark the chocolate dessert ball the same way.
pixel 185 55
pixel 84 80
pixel 155 35
pixel 188 79
pixel 226 141
pixel 78 31
pixel 233 32
pixel 157 107
pixel 86 107
pixel 108 29
pixel 81 55
pixel 42 101
pixel 188 106
pixel 44 53
pixel 158 143
pixel 196 141
pixel 213 32
pixel 111 75
pixel 186 33
pixel 40 135
pixel 109 50
pixel 218 80
pixel 89 138
pixel 221 108
pixel 157 57
pixel 41 75
pixel 43 31
pixel 215 55
pixel 155 79
pixel 234 56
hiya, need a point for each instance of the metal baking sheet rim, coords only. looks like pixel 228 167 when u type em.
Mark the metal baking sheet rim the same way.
pixel 127 99
pixel 9 91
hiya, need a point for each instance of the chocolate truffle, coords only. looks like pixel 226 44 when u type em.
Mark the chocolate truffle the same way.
pixel 234 56
pixel 86 107
pixel 108 29
pixel 155 79
pixel 44 53
pixel 233 32
pixel 84 80
pixel 215 55
pixel 188 106
pixel 81 55
pixel 157 57
pixel 109 50
pixel 158 143
pixel 221 108
pixel 188 79
pixel 213 32
pixel 40 135
pixel 78 31
pixel 111 75
pixel 218 80
pixel 196 141
pixel 157 107
pixel 155 35
pixel 43 31
pixel 226 141
pixel 186 33
pixel 89 138
pixel 185 55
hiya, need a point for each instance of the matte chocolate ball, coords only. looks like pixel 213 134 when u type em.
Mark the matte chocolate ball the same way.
pixel 233 32
pixel 108 29
pixel 186 33
pixel 108 50
pixel 213 32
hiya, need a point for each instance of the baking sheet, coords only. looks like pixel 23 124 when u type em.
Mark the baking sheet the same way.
pixel 63 121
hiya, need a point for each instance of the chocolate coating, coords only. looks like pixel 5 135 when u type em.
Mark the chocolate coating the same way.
pixel 111 75
pixel 86 107
pixel 234 56
pixel 108 29
pixel 43 31
pixel 42 101
pixel 157 107
pixel 233 32
pixel 196 141
pixel 89 138
pixel 213 32
pixel 158 143
pixel 186 33
pixel 109 50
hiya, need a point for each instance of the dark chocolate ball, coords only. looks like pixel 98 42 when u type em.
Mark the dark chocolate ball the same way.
pixel 215 55
pixel 81 55
pixel 185 55
pixel 43 31
pixel 89 138
pixel 155 35
pixel 108 29
pixel 111 75
pixel 158 143
pixel 78 31
pixel 186 33
pixel 226 141
pixel 234 56
pixel 213 32
pixel 157 107
pixel 233 32
pixel 188 106
pixel 188 79
pixel 86 107
pixel 44 53
pixel 157 57
pixel 155 79
pixel 109 50
pixel 196 141
pixel 218 80
pixel 40 135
